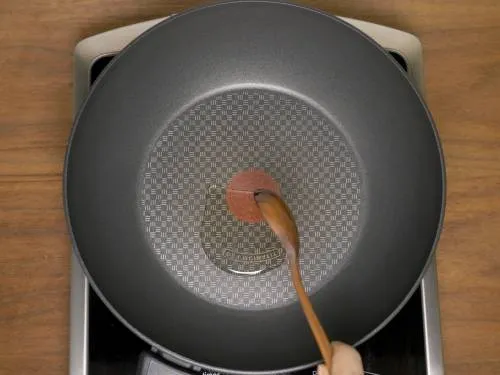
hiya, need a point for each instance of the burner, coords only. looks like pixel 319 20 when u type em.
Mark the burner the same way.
pixel 101 345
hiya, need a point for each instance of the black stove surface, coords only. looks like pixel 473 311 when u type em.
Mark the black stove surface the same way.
pixel 398 348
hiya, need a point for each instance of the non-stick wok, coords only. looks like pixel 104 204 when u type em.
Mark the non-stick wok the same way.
pixel 265 86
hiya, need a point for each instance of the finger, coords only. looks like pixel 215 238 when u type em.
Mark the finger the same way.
pixel 346 360
pixel 322 370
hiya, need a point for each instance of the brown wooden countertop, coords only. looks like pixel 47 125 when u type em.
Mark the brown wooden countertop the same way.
pixel 461 42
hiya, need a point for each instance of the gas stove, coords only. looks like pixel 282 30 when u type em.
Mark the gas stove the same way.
pixel 101 345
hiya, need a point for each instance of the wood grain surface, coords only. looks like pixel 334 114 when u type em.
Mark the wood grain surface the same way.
pixel 461 40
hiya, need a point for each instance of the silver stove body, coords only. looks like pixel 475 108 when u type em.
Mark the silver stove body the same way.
pixel 110 43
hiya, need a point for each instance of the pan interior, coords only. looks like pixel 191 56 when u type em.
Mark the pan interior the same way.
pixel 185 215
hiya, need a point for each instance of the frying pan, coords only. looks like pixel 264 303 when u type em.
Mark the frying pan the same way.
pixel 296 94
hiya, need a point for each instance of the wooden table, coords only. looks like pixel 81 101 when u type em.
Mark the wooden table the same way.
pixel 461 42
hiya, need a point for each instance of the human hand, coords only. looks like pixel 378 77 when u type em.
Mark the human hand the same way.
pixel 345 361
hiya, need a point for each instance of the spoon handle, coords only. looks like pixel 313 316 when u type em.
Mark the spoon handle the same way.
pixel 280 219
pixel 317 329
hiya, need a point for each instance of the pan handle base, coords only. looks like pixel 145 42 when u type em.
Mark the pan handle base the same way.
pixel 149 364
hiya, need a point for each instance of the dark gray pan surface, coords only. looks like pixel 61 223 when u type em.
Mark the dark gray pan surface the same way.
pixel 141 230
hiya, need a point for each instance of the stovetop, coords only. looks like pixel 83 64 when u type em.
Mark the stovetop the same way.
pixel 101 345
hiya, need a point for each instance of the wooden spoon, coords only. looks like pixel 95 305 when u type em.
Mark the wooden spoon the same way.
pixel 277 214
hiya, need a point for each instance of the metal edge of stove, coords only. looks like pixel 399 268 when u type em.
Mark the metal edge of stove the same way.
pixel 108 43
pixel 86 52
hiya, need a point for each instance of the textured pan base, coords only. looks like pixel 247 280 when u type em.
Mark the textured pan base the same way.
pixel 183 205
